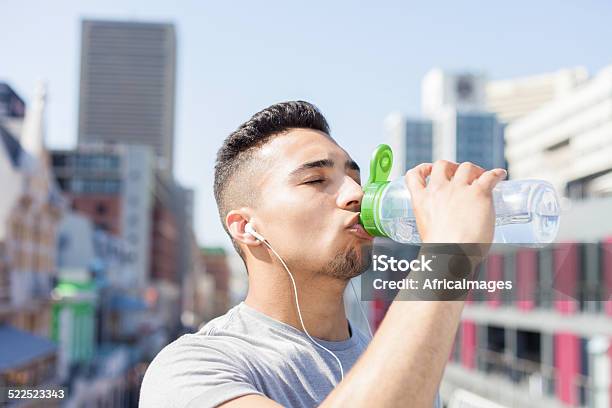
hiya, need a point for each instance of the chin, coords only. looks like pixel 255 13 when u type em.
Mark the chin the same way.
pixel 351 262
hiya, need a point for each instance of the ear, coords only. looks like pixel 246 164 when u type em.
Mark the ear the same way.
pixel 235 221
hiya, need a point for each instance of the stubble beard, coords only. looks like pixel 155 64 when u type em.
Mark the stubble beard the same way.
pixel 350 263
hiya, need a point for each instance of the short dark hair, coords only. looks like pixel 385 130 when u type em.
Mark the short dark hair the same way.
pixel 238 148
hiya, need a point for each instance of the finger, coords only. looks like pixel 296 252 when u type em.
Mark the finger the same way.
pixel 489 179
pixel 442 172
pixel 468 172
pixel 416 178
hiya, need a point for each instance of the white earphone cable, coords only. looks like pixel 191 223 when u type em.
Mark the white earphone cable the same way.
pixel 297 303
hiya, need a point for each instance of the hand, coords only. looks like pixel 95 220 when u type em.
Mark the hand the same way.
pixel 456 205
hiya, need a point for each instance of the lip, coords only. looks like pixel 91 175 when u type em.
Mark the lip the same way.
pixel 358 230
pixel 354 220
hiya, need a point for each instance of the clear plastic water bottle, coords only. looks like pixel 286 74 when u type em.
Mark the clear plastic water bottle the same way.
pixel 526 211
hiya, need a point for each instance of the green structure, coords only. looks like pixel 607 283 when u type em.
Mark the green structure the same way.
pixel 73 321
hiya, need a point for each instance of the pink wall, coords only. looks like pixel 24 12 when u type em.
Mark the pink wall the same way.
pixel 526 276
pixel 468 344
pixel 567 364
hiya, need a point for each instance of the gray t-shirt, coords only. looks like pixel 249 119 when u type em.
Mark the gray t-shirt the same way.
pixel 246 352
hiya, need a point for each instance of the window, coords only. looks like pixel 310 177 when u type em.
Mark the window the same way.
pixel 101 208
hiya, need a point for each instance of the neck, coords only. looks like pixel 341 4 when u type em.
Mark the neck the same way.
pixel 320 297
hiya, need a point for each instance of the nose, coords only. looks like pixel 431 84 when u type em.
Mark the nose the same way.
pixel 350 195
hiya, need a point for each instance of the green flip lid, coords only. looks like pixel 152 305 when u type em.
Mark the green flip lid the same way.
pixel 380 167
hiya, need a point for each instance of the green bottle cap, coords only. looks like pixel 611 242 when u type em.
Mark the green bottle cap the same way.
pixel 380 167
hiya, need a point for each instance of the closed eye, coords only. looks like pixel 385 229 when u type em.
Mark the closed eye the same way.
pixel 314 181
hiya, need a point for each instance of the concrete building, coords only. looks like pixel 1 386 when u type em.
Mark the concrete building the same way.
pixel 238 281
pixel 91 265
pixel 198 300
pixel 127 86
pixel 30 210
pixel 464 91
pixel 12 183
pixel 183 204
pixel 514 98
pixel 114 186
pixel 85 250
pixel 165 233
pixel 568 141
pixel 549 346
pixel 546 343
pixel 216 264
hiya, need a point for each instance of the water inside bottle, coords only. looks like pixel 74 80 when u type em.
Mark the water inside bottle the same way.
pixel 401 229
pixel 536 228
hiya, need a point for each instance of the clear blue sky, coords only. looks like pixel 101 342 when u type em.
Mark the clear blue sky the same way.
pixel 357 63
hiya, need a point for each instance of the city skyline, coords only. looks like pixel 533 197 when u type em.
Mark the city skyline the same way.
pixel 331 60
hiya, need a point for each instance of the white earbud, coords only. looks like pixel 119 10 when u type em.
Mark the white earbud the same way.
pixel 250 230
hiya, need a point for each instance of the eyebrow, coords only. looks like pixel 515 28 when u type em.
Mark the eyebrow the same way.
pixel 323 163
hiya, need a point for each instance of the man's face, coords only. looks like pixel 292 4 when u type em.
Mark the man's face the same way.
pixel 309 202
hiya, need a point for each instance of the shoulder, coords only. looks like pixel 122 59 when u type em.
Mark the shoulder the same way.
pixel 195 364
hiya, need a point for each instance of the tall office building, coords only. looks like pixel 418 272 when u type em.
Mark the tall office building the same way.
pixel 463 129
pixel 411 140
pixel 474 136
pixel 127 87
pixel 440 89
pixel 456 126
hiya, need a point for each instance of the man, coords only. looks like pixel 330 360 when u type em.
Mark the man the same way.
pixel 283 174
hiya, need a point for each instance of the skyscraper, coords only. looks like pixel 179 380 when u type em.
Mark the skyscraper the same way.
pixel 411 140
pixel 127 87
pixel 463 129
pixel 440 89
pixel 474 136
pixel 456 126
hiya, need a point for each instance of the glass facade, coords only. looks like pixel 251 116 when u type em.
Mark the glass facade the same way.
pixel 419 144
pixel 480 140
pixel 81 172
pixel 95 162
pixel 78 185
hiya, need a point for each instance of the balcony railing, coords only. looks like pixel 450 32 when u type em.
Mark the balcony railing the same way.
pixel 537 378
